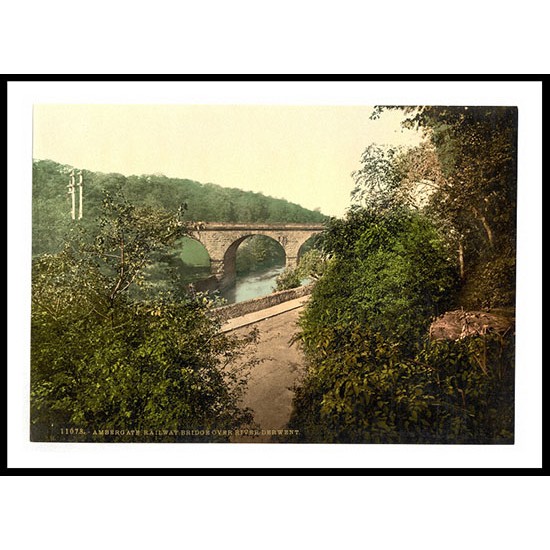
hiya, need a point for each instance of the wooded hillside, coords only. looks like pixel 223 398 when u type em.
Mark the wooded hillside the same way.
pixel 205 202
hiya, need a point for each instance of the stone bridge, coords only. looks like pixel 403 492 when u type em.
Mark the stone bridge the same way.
pixel 221 240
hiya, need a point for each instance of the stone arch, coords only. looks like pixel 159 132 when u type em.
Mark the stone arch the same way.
pixel 306 245
pixel 193 239
pixel 195 271
pixel 230 256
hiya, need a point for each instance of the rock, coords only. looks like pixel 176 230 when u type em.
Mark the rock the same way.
pixel 458 324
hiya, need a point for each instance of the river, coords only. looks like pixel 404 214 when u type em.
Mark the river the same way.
pixel 252 285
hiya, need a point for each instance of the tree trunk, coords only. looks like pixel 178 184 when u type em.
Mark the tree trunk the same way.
pixel 461 259
pixel 485 224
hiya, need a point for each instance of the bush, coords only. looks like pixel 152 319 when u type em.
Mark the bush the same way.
pixel 390 273
pixel 288 279
pixel 490 284
pixel 364 391
pixel 103 357
pixel 373 375
pixel 163 365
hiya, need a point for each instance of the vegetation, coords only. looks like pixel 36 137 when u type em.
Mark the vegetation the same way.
pixel 186 259
pixel 468 169
pixel 363 389
pixel 118 343
pixel 430 229
pixel 113 351
pixel 311 266
pixel 205 202
pixel 259 252
pixel 288 279
pixel 388 272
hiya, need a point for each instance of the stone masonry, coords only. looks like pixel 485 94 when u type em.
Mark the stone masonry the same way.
pixel 221 240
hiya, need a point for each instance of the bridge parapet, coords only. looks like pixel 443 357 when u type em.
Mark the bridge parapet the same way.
pixel 223 226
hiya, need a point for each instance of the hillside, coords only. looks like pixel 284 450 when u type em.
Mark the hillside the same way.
pixel 205 202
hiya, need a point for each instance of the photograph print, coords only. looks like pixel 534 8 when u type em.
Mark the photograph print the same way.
pixel 273 274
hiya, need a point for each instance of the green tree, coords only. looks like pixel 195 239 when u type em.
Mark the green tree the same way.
pixel 388 271
pixel 374 376
pixel 311 267
pixel 288 279
pixel 361 389
pixel 471 164
pixel 259 252
pixel 430 227
pixel 378 182
pixel 102 359
pixel 208 202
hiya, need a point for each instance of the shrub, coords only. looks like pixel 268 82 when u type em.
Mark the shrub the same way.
pixel 362 390
pixel 374 377
pixel 103 357
pixel 288 279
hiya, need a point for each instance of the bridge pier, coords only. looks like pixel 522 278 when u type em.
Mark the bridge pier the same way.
pixel 291 262
pixel 216 267
pixel 224 272
pixel 226 281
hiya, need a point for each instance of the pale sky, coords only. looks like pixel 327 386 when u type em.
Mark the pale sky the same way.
pixel 302 154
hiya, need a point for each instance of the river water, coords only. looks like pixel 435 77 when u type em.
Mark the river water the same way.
pixel 253 285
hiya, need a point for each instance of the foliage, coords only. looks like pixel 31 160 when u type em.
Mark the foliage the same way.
pixel 378 181
pixel 491 284
pixel 363 390
pixel 389 272
pixel 373 376
pixel 103 359
pixel 470 162
pixel 429 228
pixel 312 266
pixel 288 279
pixel 259 252
pixel 394 177
pixel 206 202
pixel 51 218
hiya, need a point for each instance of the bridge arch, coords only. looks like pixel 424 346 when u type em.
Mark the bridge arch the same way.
pixel 231 254
pixel 193 263
pixel 307 245
pixel 192 251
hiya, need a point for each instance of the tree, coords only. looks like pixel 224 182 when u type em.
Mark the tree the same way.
pixel 208 202
pixel 259 252
pixel 377 183
pixel 477 151
pixel 373 374
pixel 288 279
pixel 312 266
pixel 388 271
pixel 469 163
pixel 103 359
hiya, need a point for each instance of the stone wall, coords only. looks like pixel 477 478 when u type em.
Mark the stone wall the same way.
pixel 256 304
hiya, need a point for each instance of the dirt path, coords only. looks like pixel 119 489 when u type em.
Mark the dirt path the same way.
pixel 269 392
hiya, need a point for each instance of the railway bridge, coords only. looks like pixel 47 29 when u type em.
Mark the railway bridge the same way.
pixel 221 241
